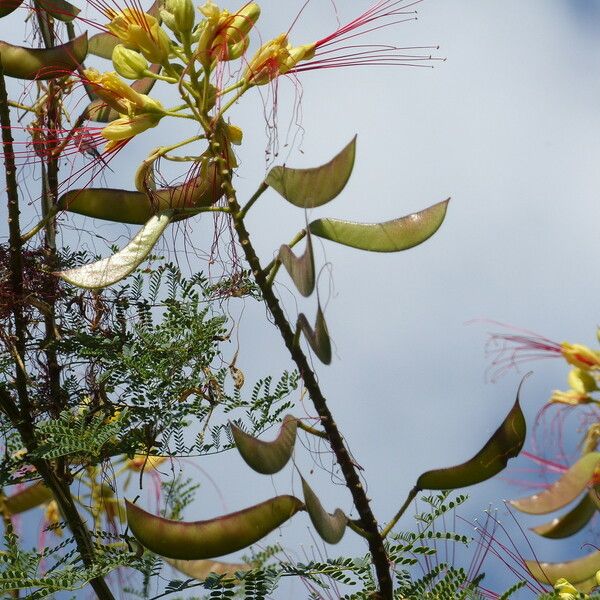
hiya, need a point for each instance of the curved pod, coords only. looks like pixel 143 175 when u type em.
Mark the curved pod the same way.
pixel 212 538
pixel 563 491
pixel 28 498
pixel 575 571
pixel 309 188
pixel 330 527
pixel 570 523
pixel 113 269
pixel 505 443
pixel 124 206
pixel 201 569
pixel 392 236
pixel 8 6
pixel 267 457
pixel 43 63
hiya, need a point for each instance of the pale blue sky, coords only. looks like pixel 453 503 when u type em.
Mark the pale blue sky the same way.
pixel 508 127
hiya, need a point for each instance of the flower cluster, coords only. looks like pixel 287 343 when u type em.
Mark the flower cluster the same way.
pixel 192 55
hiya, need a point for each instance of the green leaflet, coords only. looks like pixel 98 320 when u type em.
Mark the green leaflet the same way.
pixel 575 571
pixel 300 268
pixel 267 457
pixel 569 523
pixel 309 188
pixel 43 63
pixel 110 270
pixel 391 236
pixel 317 338
pixel 59 9
pixel 30 497
pixel 7 6
pixel 505 443
pixel 212 538
pixel 563 491
pixel 330 527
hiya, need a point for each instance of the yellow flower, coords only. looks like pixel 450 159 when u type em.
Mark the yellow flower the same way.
pixel 146 462
pixel 570 398
pixel 141 31
pixel 119 95
pixel 580 356
pixel 52 516
pixel 127 127
pixel 276 58
pixel 224 36
pixel 566 591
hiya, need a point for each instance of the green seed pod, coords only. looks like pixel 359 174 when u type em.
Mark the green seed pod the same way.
pixel 124 206
pixel 43 63
pixel 267 457
pixel 28 498
pixel 129 63
pixel 213 538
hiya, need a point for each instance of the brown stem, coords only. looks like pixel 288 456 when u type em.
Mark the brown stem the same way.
pixel 361 502
pixel 21 416
pixel 16 259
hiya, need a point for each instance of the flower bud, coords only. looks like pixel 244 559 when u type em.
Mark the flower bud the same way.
pixel 234 28
pixel 582 381
pixel 129 63
pixel 183 15
pixel 168 19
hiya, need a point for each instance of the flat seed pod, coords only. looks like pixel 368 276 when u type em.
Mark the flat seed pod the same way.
pixel 123 206
pixel 110 270
pixel 391 236
pixel 213 538
pixel 570 523
pixel 60 9
pixel 330 527
pixel 43 63
pixel 575 571
pixel 317 338
pixel 98 111
pixel 505 443
pixel 102 44
pixel 565 490
pixel 201 569
pixel 30 497
pixel 300 268
pixel 267 457
pixel 7 6
pixel 308 188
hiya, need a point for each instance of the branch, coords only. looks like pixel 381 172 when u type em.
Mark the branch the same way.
pixel 361 502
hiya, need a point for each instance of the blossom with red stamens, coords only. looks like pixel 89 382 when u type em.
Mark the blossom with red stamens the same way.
pixel 333 51
pixel 278 57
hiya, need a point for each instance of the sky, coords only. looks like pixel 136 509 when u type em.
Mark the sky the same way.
pixel 507 126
